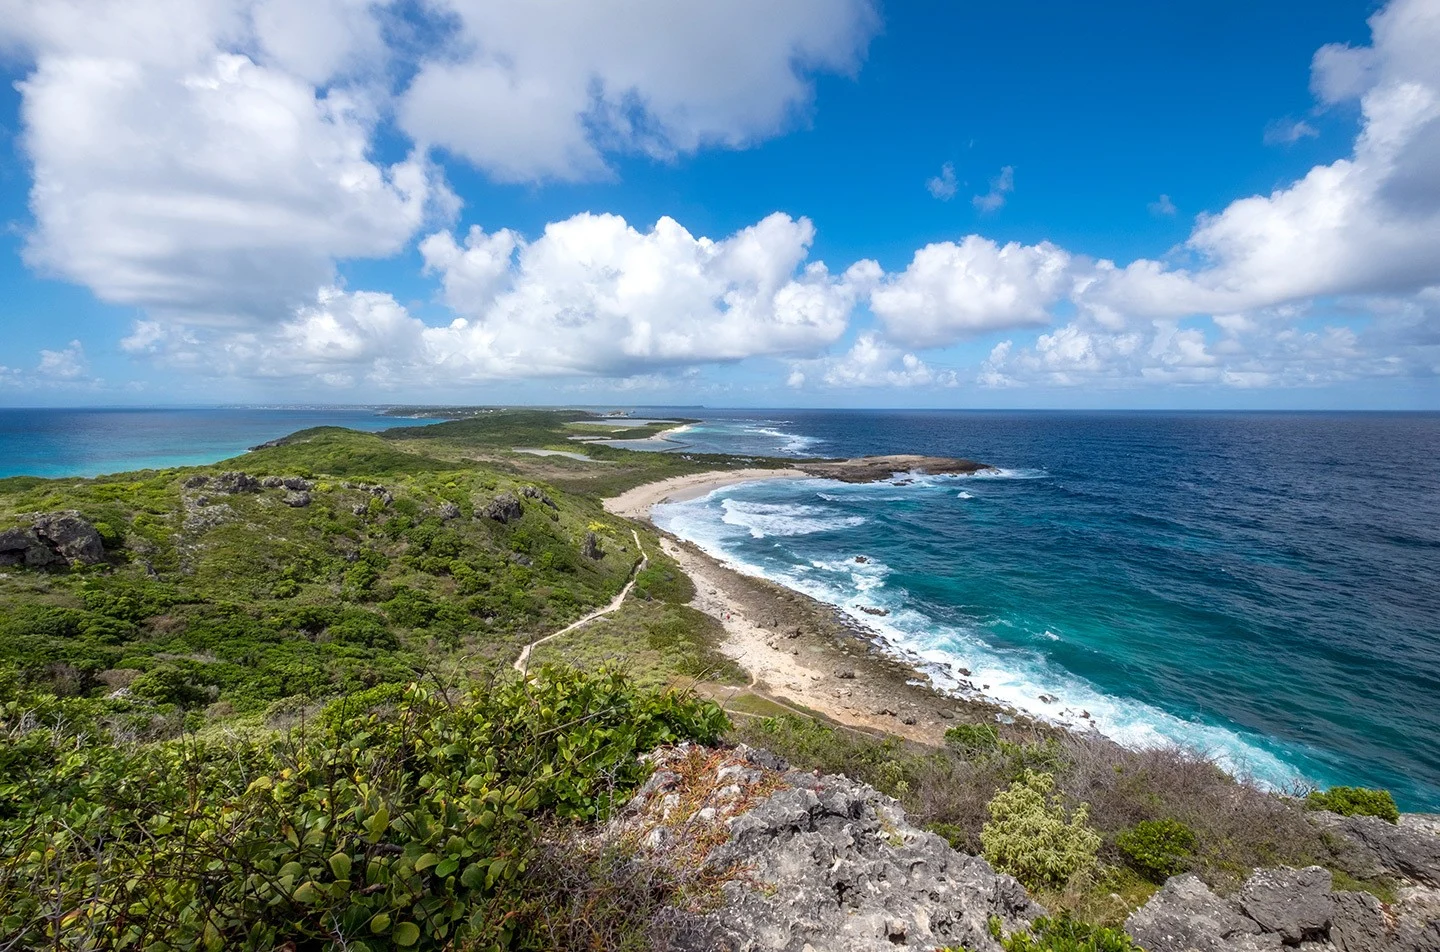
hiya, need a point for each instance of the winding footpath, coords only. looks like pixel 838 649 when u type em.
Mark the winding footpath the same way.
pixel 522 663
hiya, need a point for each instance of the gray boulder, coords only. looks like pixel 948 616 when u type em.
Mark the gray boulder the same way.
pixel 298 499
pixel 53 538
pixel 71 537
pixel 233 483
pixel 591 548
pixel 1295 903
pixel 833 864
pixel 449 511
pixel 1409 850
pixel 1186 915
pixel 504 508
pixel 1357 923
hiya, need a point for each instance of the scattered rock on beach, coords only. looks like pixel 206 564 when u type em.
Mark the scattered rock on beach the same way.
pixel 845 674
pixel 869 610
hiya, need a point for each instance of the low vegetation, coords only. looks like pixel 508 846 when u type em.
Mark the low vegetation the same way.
pixel 394 819
pixel 1030 836
pixel 1355 801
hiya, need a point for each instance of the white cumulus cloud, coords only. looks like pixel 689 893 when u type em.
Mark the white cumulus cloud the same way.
pixel 953 290
pixel 544 89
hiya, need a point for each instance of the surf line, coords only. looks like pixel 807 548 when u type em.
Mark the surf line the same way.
pixel 522 663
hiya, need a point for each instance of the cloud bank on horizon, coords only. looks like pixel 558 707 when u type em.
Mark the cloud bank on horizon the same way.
pixel 209 168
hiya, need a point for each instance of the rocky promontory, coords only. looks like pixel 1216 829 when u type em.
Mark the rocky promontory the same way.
pixel 870 469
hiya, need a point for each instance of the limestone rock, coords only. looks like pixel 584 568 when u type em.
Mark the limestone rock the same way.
pixel 1357 923
pixel 297 498
pixel 1295 903
pixel 53 538
pixel 1409 850
pixel 449 511
pixel 71 536
pixel 590 548
pixel 504 508
pixel 233 483
pixel 534 492
pixel 1186 915
pixel 830 863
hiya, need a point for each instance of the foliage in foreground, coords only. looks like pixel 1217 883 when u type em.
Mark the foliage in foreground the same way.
pixel 1158 849
pixel 1064 934
pixel 1030 837
pixel 404 828
pixel 1355 801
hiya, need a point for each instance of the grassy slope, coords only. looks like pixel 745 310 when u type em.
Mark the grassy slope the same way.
pixel 247 601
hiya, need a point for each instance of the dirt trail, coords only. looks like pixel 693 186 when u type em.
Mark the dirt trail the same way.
pixel 522 663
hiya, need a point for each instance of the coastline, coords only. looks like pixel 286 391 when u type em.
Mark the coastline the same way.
pixel 805 653
pixel 636 503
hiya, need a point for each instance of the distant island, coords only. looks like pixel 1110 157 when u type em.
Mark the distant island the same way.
pixel 448 687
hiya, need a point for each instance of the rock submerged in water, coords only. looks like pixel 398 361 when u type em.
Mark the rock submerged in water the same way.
pixel 53 538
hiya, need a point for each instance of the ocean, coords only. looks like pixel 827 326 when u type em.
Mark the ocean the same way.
pixel 89 442
pixel 1264 586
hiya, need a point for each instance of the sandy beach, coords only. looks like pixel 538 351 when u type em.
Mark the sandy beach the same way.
pixel 798 651
pixel 636 503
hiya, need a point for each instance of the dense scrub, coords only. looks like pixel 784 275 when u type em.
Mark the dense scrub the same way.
pixel 216 600
pixel 402 818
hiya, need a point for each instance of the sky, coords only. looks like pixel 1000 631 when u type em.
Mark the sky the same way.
pixel 816 203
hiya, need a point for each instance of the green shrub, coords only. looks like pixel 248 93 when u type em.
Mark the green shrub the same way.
pixel 1064 934
pixel 972 739
pixel 411 828
pixel 1355 801
pixel 1158 848
pixel 1030 837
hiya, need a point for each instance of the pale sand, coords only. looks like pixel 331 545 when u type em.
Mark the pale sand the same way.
pixel 636 503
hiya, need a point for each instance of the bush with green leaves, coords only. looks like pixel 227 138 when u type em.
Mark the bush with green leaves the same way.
pixel 1158 849
pixel 1030 837
pixel 1355 801
pixel 409 827
pixel 973 739
pixel 1064 934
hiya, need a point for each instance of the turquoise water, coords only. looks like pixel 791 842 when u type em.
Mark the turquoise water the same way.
pixel 1265 586
pixel 89 442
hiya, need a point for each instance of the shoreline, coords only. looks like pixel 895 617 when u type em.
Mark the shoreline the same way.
pixel 636 503
pixel 808 653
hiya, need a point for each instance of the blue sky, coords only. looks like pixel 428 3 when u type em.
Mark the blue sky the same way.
pixel 920 204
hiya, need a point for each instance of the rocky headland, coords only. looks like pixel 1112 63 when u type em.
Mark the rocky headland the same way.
pixel 870 469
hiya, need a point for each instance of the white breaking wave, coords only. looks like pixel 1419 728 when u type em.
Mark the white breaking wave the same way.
pixel 964 495
pixel 1016 678
pixel 767 519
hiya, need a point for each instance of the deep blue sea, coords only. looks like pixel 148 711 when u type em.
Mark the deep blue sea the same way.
pixel 1265 586
pixel 88 442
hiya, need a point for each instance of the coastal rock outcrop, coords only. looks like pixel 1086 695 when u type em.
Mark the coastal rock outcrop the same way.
pixel 870 469
pixel 234 483
pixel 1280 908
pixel 1410 849
pixel 808 861
pixel 53 538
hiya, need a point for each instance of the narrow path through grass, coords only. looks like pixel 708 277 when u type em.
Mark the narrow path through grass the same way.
pixel 522 663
